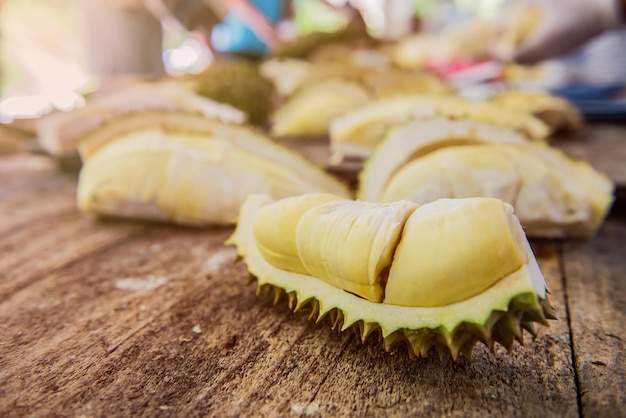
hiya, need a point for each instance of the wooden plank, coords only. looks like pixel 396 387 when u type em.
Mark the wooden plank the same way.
pixel 85 340
pixel 596 294
pixel 50 245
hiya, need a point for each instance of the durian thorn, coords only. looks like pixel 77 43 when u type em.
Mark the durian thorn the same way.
pixel 390 340
pixel 315 310
pixel 251 279
pixel 441 351
pixel 528 326
pixel 366 329
pixel 320 316
pixel 293 300
pixel 467 349
pixel 301 303
pixel 548 311
pixel 262 290
pixel 338 319
pixel 278 292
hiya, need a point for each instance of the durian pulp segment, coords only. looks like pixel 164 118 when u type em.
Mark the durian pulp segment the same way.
pixel 581 181
pixel 275 229
pixel 348 244
pixel 237 137
pixel 453 249
pixel 553 196
pixel 189 169
pixel 356 133
pixel 468 171
pixel 403 143
pixel 189 179
pixel 494 315
pixel 310 111
pixel 556 112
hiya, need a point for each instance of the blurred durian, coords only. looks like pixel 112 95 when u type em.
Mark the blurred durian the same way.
pixel 239 83
pixel 58 133
pixel 553 195
pixel 356 133
pixel 308 113
pixel 556 112
pixel 188 169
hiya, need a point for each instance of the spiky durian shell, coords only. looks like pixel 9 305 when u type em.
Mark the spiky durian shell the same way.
pixel 499 315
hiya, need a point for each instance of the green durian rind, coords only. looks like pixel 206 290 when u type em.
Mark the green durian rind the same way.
pixel 498 314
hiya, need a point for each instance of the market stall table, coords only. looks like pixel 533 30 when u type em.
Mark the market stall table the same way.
pixel 121 318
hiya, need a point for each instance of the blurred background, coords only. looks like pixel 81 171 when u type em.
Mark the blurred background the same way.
pixel 54 52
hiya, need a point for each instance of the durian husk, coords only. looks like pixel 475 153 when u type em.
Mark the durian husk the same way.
pixel 498 315
pixel 238 83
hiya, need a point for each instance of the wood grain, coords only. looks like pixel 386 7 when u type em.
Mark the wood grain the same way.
pixel 596 291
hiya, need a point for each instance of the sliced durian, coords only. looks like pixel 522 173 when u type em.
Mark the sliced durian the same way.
pixel 415 139
pixel 357 132
pixel 556 112
pixel 188 169
pixel 440 277
pixel 309 112
pixel 394 82
pixel 553 195
pixel 59 133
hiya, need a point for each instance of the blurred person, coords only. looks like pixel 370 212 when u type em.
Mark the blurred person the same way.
pixel 550 28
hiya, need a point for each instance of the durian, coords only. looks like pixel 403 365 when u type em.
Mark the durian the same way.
pixel 439 277
pixel 59 133
pixel 466 40
pixel 356 133
pixel 556 112
pixel 309 112
pixel 238 83
pixel 553 195
pixel 187 169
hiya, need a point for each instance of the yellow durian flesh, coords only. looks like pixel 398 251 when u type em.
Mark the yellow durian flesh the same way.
pixel 415 139
pixel 275 229
pixel 552 195
pixel 310 111
pixel 188 169
pixel 442 253
pixel 348 244
pixel 554 111
pixel 357 132
pixel 469 171
pixel 453 250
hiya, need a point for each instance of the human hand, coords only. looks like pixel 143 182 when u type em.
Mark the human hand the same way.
pixel 528 31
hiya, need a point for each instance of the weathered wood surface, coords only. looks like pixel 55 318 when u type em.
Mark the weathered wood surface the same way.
pixel 134 319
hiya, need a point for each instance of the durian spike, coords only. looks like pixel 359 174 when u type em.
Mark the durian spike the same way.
pixel 293 300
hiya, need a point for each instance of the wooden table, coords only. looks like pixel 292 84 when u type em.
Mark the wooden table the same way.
pixel 101 319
